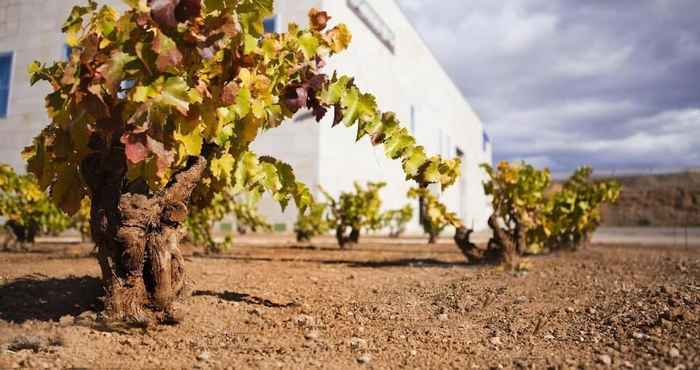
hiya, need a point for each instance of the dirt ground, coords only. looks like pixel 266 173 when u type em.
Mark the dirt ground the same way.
pixel 386 304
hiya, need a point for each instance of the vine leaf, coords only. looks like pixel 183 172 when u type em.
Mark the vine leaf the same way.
pixel 67 192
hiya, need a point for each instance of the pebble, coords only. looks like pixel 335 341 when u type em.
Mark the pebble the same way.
pixel 638 335
pixel 605 360
pixel 674 352
pixel 549 337
pixel 591 310
pixel 627 364
pixel 496 341
pixel 364 359
pixel 304 320
pixel 413 352
pixel 569 309
pixel 521 299
pixel 312 334
pixel 256 311
pixel 358 343
pixel 204 356
pixel 66 320
pixel 442 317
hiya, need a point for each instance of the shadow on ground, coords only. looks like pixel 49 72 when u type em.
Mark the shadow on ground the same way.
pixel 383 248
pixel 38 297
pixel 401 262
pixel 243 298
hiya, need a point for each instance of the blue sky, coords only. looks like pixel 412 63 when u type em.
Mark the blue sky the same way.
pixel 562 83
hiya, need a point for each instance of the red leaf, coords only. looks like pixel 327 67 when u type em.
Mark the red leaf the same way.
pixel 135 147
pixel 168 53
pixel 229 92
pixel 318 19
pixel 164 158
pixel 163 12
pixel 294 97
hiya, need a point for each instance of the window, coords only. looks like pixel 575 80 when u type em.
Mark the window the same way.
pixel 5 81
pixel 270 24
pixel 486 141
pixel 67 51
pixel 413 120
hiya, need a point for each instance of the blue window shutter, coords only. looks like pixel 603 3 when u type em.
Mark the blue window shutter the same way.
pixel 5 76
pixel 270 24
pixel 485 141
pixel 67 51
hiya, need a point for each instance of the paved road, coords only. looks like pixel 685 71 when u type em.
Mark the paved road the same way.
pixel 649 235
pixel 616 235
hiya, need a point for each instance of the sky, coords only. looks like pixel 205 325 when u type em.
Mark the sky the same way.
pixel 564 83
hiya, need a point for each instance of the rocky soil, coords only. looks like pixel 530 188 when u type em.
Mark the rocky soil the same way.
pixel 275 304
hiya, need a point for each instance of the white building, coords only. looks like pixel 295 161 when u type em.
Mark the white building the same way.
pixel 387 58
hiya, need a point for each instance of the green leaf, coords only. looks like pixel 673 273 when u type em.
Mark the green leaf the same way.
pixel 269 178
pixel 175 94
pixel 309 45
pixel 335 91
pixel 67 191
pixel 398 143
pixel 223 166
pixel 414 159
pixel 189 135
pixel 113 71
pixel 250 44
pixel 243 102
pixel 106 20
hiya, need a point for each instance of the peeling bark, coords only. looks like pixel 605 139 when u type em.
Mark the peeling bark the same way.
pixel 475 253
pixel 137 235
pixel 506 248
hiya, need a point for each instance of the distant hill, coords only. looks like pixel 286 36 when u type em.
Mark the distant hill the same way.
pixel 656 200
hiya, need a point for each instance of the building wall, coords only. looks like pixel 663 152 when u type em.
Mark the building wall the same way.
pixel 30 30
pixel 405 79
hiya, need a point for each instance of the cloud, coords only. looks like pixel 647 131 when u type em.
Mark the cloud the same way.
pixel 563 83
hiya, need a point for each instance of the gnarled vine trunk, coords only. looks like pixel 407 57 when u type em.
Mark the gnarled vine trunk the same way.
pixel 137 234
pixel 20 237
pixel 501 248
pixel 506 248
pixel 347 241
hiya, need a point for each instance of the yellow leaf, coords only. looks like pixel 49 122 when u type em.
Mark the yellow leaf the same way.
pixel 223 166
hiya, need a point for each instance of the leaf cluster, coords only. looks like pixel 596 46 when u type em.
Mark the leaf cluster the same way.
pixel 26 207
pixel 357 210
pixel 543 218
pixel 396 219
pixel 573 213
pixel 200 221
pixel 168 80
pixel 248 217
pixel 436 215
pixel 313 223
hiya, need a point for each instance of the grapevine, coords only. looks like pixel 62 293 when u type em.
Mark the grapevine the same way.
pixel 153 114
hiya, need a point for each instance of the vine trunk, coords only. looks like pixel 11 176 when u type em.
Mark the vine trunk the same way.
pixel 137 235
